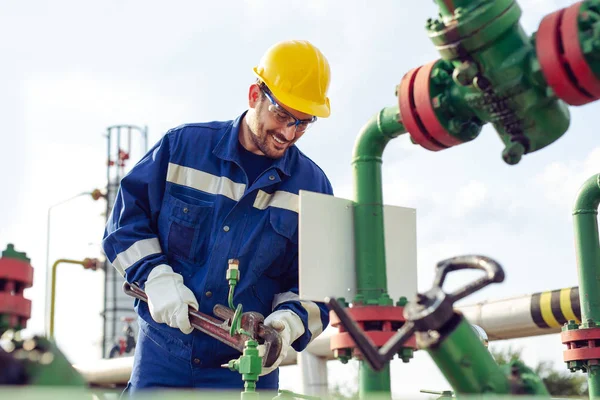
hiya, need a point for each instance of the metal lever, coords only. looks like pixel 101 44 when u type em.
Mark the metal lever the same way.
pixel 252 322
pixel 494 273
pixel 376 358
pixel 430 311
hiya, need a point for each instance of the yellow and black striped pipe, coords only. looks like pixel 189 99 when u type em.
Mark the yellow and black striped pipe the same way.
pixel 527 315
pixel 554 308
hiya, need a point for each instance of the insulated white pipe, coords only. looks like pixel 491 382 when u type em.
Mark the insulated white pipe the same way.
pixel 522 316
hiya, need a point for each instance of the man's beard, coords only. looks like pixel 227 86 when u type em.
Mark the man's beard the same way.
pixel 260 137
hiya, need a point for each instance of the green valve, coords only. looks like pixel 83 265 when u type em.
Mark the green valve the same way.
pixel 10 252
pixel 233 272
pixel 249 365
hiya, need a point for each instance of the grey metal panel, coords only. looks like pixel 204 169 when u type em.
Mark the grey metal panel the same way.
pixel 326 254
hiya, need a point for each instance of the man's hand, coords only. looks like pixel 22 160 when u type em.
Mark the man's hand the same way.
pixel 169 298
pixel 290 328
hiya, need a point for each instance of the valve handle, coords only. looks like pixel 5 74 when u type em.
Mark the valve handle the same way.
pixel 493 270
pixel 377 358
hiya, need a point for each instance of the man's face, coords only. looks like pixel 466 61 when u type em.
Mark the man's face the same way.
pixel 268 123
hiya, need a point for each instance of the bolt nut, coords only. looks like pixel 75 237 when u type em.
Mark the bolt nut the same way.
pixel 596 45
pixel 403 301
pixel 455 126
pixel 405 354
pixel 571 325
pixel 594 5
pixel 471 130
pixel 439 102
pixel 465 73
pixel 343 355
pixel 436 26
pixel 439 76
pixel 428 23
pixel 585 20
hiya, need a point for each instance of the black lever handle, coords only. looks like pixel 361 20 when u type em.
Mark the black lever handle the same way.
pixel 493 270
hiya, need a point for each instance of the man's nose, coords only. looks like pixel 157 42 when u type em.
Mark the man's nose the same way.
pixel 289 132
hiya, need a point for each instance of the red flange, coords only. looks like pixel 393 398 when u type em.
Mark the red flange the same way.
pixel 13 269
pixel 417 111
pixel 548 50
pixel 559 53
pixel 387 319
pixel 17 308
pixel 569 31
pixel 371 314
pixel 423 106
pixel 343 340
pixel 581 344
pixel 580 334
pixel 409 115
pixel 15 276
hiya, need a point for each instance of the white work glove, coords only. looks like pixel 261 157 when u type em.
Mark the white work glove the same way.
pixel 169 298
pixel 290 327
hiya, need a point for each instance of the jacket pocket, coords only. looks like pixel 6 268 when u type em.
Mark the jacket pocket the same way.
pixel 278 244
pixel 189 228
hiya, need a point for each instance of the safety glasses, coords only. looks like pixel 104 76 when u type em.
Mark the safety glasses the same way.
pixel 285 117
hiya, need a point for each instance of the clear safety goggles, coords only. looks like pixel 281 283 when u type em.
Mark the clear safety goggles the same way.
pixel 285 117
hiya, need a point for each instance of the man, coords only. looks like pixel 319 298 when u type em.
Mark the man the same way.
pixel 210 192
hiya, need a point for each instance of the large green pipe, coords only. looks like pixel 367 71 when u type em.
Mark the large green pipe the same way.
pixel 368 208
pixel 371 282
pixel 587 248
pixel 466 363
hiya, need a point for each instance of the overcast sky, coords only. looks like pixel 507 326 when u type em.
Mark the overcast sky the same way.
pixel 69 69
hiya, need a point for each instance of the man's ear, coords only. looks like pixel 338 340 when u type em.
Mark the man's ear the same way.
pixel 254 95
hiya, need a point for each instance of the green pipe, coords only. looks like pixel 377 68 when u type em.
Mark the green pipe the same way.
pixel 371 280
pixel 371 283
pixel 84 263
pixel 373 383
pixel 467 364
pixel 587 250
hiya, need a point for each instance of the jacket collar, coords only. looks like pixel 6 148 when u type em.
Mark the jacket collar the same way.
pixel 227 147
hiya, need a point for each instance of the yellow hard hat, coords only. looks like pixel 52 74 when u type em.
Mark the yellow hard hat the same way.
pixel 297 73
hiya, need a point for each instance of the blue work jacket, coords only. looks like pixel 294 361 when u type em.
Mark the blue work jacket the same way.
pixel 188 204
